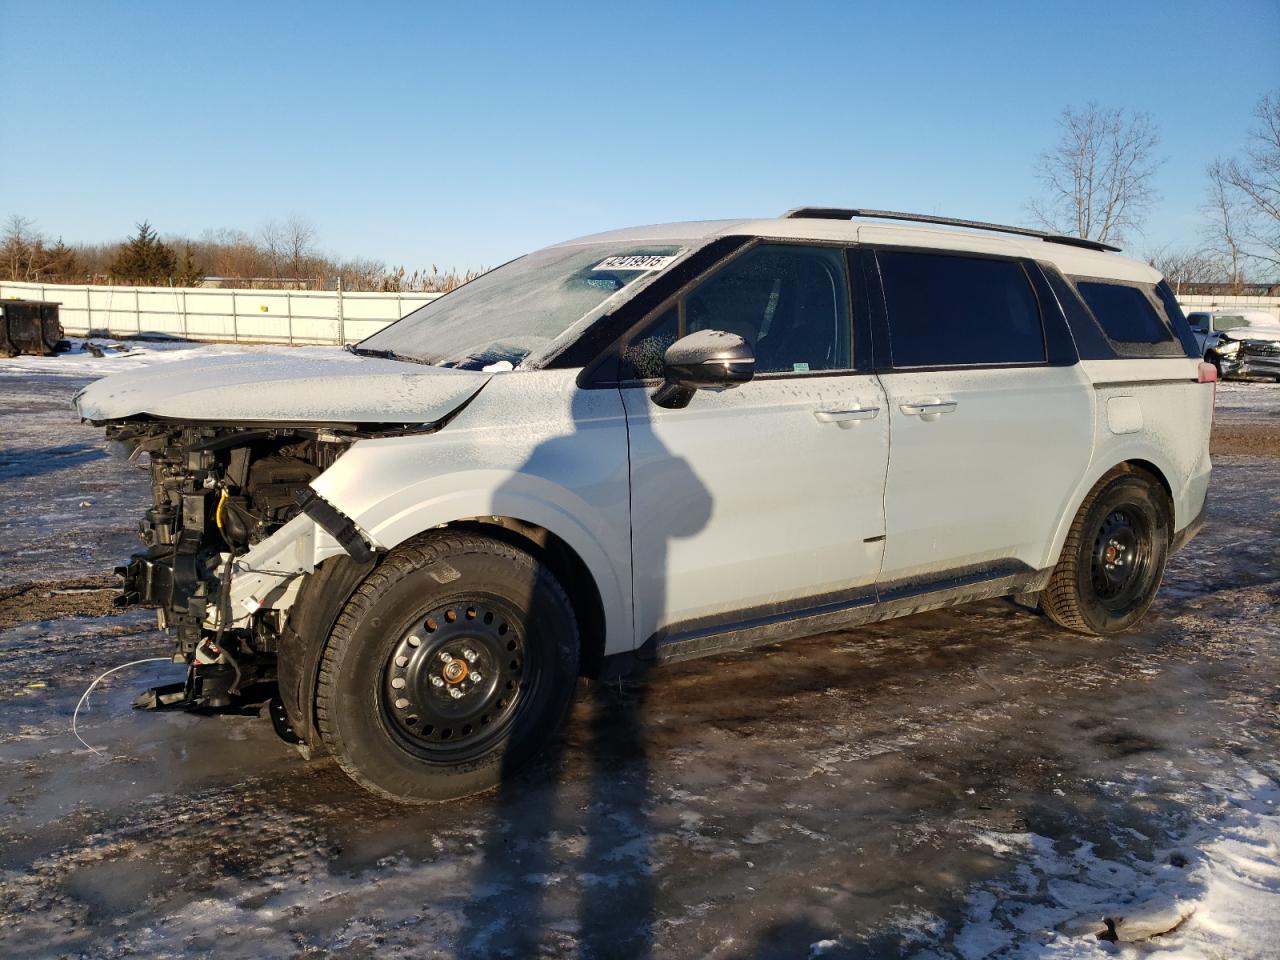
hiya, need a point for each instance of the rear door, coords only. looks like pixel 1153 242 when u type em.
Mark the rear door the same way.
pixel 991 422
pixel 766 499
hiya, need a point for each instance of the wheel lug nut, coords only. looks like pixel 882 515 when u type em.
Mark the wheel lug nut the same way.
pixel 398 683
pixel 445 656
pixel 475 676
pixel 414 640
pixel 402 703
pixel 402 661
pixel 469 656
pixel 455 693
pixel 437 682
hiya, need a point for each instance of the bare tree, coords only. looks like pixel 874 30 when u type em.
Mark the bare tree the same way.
pixel 1225 215
pixel 299 243
pixel 17 247
pixel 1253 183
pixel 1183 267
pixel 273 245
pixel 1098 177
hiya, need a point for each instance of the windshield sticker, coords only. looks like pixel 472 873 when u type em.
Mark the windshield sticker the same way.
pixel 640 262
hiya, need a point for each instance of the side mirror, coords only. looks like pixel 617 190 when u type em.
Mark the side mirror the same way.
pixel 705 360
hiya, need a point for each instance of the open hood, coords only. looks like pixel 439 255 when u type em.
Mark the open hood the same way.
pixel 283 387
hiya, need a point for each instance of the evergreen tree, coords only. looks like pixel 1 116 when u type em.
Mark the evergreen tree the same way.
pixel 190 274
pixel 60 263
pixel 144 259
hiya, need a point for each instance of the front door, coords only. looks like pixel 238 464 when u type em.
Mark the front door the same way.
pixel 766 499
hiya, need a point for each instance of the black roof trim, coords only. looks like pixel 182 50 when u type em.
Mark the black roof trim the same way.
pixel 848 213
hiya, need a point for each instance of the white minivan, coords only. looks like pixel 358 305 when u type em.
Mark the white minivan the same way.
pixel 654 444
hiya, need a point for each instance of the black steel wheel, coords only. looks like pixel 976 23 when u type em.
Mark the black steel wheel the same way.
pixel 457 679
pixel 452 665
pixel 1113 559
pixel 1121 556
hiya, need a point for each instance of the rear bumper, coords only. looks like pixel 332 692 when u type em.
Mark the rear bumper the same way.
pixel 1184 536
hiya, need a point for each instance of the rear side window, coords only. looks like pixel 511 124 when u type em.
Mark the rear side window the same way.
pixel 1177 320
pixel 947 310
pixel 1124 312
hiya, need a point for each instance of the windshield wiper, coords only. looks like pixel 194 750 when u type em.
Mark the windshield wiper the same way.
pixel 360 351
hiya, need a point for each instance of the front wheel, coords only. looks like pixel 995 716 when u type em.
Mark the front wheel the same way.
pixel 453 664
pixel 1113 559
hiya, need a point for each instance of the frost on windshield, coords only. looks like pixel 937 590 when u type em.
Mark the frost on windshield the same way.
pixel 520 309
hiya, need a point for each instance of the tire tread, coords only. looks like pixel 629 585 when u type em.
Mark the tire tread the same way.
pixel 402 561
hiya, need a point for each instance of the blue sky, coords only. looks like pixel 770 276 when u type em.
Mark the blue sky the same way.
pixel 463 134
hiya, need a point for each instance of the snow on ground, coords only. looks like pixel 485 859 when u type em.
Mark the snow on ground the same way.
pixel 957 784
pixel 1248 402
pixel 114 356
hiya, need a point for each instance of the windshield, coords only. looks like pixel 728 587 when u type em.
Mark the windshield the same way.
pixel 521 308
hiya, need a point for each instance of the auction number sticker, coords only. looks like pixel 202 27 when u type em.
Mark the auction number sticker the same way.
pixel 638 262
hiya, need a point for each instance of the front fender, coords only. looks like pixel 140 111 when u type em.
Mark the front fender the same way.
pixel 529 499
pixel 529 448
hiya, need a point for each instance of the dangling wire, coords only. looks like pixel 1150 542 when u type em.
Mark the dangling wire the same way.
pixel 85 696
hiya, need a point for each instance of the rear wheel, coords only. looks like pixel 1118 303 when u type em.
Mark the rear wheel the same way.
pixel 453 664
pixel 1114 556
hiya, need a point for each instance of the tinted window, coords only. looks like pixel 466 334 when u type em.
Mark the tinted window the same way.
pixel 1177 321
pixel 1125 313
pixel 947 310
pixel 1088 337
pixel 790 303
pixel 642 356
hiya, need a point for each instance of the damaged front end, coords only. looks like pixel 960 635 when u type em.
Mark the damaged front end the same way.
pixel 232 530
pixel 1247 359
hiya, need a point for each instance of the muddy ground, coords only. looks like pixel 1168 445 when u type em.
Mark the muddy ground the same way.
pixel 963 783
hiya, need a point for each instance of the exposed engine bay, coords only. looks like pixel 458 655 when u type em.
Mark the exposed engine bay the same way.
pixel 217 491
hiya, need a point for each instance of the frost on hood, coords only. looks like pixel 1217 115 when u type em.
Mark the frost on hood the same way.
pixel 283 387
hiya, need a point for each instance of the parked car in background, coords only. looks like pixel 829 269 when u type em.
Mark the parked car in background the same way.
pixel 1242 344
pixel 655 444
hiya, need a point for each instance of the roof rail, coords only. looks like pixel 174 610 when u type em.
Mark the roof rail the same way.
pixel 846 213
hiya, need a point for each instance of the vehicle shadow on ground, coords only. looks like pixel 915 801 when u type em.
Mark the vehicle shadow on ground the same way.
pixel 614 873
pixel 23 464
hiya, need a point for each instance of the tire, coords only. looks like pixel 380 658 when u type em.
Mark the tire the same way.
pixel 1114 556
pixel 452 665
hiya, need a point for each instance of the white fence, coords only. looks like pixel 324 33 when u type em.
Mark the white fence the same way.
pixel 295 316
pixel 1205 303
pixel 213 313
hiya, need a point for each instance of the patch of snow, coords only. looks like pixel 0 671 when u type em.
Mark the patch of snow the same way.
pixel 117 356
pixel 1216 894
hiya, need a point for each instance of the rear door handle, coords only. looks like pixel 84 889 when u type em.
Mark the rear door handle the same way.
pixel 929 408
pixel 845 418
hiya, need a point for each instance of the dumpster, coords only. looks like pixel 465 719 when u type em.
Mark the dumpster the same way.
pixel 29 326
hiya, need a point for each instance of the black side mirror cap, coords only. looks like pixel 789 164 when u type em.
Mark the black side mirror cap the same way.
pixel 705 360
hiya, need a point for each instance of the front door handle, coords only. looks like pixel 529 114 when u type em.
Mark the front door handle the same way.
pixel 845 418
pixel 928 409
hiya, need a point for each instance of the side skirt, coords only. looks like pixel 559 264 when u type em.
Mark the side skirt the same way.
pixel 744 630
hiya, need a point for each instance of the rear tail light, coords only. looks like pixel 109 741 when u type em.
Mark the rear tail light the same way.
pixel 1208 373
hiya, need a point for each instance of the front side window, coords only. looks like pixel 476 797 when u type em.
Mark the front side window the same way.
pixel 790 303
pixel 950 310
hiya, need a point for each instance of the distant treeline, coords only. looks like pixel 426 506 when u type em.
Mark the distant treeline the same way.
pixel 281 254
